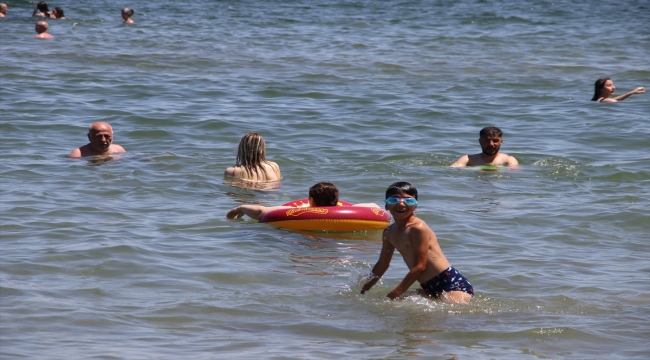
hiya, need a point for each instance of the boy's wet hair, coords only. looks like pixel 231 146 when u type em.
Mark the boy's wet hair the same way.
pixel 324 194
pixel 491 130
pixel 401 187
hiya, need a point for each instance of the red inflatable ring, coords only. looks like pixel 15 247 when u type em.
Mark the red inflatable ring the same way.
pixel 343 217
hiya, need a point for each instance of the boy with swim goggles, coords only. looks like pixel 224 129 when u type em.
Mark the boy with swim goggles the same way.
pixel 407 201
pixel 412 237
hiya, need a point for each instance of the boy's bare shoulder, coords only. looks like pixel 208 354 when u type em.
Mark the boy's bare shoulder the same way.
pixel 417 223
pixel 417 228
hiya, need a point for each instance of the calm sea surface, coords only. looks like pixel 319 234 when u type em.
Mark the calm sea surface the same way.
pixel 133 258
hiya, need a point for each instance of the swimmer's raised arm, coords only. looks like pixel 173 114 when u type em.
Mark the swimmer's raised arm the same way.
pixel 638 90
pixel 462 161
pixel 253 211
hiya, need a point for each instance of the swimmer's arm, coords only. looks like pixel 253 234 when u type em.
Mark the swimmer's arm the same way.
pixel 386 254
pixel 78 152
pixel 276 168
pixel 232 172
pixel 420 247
pixel 511 161
pixel 462 161
pixel 253 211
pixel 117 148
pixel 638 90
pixel 370 205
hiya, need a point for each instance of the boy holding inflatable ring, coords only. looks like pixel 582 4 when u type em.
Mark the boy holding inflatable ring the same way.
pixel 418 245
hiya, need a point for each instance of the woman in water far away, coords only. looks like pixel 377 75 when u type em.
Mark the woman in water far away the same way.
pixel 604 88
pixel 42 10
pixel 126 15
pixel 251 163
pixel 57 13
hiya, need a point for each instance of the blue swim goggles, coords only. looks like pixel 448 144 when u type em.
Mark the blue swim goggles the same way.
pixel 407 201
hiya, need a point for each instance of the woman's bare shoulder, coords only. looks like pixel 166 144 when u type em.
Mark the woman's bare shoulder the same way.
pixel 233 171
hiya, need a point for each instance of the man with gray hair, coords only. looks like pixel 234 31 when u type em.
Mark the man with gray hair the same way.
pixel 100 135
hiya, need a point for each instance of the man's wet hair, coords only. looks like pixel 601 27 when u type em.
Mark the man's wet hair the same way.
pixel 401 187
pixel 324 194
pixel 491 130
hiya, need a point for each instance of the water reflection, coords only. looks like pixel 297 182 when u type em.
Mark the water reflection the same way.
pixel 100 160
pixel 362 235
pixel 491 205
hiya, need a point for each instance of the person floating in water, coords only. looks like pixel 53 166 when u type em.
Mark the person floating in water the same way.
pixel 417 244
pixel 100 135
pixel 604 88
pixel 42 10
pixel 251 164
pixel 126 15
pixel 490 139
pixel 321 194
pixel 41 30
pixel 3 10
pixel 58 13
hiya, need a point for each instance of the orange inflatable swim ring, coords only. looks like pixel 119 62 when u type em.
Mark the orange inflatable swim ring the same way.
pixel 343 217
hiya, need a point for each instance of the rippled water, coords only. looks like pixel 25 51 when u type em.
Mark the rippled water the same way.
pixel 134 258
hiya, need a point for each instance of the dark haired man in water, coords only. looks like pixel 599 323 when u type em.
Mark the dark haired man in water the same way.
pixel 100 135
pixel 490 139
pixel 321 194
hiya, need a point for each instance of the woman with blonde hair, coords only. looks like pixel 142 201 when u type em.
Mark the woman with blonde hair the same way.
pixel 251 163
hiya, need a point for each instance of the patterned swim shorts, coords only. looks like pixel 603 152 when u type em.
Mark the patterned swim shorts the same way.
pixel 448 280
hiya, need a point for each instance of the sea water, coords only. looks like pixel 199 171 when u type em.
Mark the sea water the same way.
pixel 133 257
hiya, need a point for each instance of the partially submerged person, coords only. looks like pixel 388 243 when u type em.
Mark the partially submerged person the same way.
pixel 490 139
pixel 251 163
pixel 58 13
pixel 126 15
pixel 604 88
pixel 100 135
pixel 42 10
pixel 3 10
pixel 41 30
pixel 321 194
pixel 417 244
